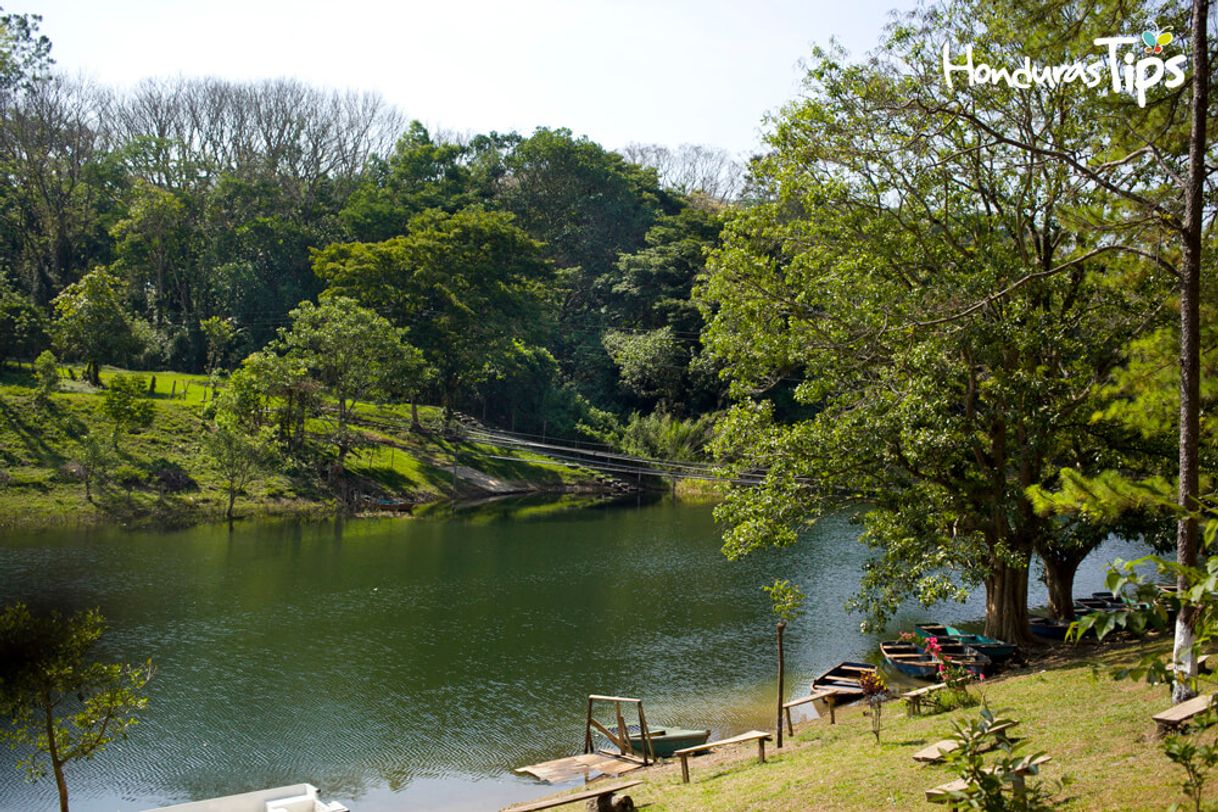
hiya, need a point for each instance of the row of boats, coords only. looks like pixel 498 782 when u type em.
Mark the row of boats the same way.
pixel 932 647
pixel 920 656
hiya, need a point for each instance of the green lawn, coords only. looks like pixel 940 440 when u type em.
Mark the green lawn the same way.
pixel 38 447
pixel 1097 730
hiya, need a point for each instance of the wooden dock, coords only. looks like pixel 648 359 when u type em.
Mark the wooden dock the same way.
pixel 586 766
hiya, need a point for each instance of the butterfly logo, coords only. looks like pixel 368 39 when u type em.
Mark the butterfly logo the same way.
pixel 1155 40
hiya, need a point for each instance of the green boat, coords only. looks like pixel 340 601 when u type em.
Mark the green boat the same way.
pixel 997 650
pixel 666 740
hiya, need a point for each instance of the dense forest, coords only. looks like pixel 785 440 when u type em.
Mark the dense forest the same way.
pixel 959 306
pixel 545 279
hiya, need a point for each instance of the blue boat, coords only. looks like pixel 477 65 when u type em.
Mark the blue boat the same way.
pixel 909 659
pixel 1048 628
pixel 997 650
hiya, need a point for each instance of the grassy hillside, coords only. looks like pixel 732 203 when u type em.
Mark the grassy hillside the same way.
pixel 1097 730
pixel 167 479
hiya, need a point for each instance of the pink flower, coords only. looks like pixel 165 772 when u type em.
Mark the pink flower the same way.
pixel 981 676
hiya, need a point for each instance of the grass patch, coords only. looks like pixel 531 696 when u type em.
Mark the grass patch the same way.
pixel 1097 730
pixel 172 481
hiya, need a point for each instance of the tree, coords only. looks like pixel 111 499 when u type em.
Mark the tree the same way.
pixel 152 252
pixel 940 311
pixel 25 55
pixel 1157 170
pixel 466 285
pixel 219 334
pixel 46 370
pixel 349 350
pixel 58 700
pixel 92 324
pixel 126 405
pixel 238 449
pixel 22 326
pixel 93 463
pixel 421 174
pixel 651 364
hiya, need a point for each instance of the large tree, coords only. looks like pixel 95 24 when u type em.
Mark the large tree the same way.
pixel 466 285
pixel 92 324
pixel 937 304
pixel 348 349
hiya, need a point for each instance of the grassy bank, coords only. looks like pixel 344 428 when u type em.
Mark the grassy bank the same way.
pixel 1097 730
pixel 161 476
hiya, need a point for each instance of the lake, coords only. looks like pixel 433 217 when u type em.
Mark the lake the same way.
pixel 413 663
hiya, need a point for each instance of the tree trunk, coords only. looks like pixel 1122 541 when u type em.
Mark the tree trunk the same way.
pixel 1006 602
pixel 1190 348
pixel 782 624
pixel 414 416
pixel 48 709
pixel 1059 578
pixel 232 497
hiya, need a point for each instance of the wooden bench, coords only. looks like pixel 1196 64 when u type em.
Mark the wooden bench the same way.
pixel 598 793
pixel 760 736
pixel 913 699
pixel 942 793
pixel 938 750
pixel 1177 716
pixel 830 695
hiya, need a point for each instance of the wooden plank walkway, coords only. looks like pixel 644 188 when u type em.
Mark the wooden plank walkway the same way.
pixel 586 766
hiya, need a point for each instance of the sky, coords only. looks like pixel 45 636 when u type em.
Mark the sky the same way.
pixel 668 72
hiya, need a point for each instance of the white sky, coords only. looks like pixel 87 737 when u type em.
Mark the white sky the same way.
pixel 665 71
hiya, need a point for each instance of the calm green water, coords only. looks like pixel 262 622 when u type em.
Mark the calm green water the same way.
pixel 411 664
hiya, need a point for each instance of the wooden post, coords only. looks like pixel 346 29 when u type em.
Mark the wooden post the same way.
pixel 782 624
pixel 627 747
pixel 645 732
pixel 588 729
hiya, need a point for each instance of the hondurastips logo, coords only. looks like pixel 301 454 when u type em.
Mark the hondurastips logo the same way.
pixel 1118 65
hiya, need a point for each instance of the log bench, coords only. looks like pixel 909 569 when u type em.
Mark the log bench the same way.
pixel 936 751
pixel 830 695
pixel 942 793
pixel 1177 716
pixel 913 699
pixel 760 736
pixel 602 795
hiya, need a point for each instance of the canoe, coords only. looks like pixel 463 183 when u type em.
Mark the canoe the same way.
pixel 1048 627
pixel 909 659
pixel 844 676
pixel 966 657
pixel 1083 606
pixel 667 740
pixel 997 650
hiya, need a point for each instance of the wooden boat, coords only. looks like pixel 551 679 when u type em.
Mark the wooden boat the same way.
pixel 997 650
pixel 844 676
pixel 966 657
pixel 1047 627
pixel 909 659
pixel 298 798
pixel 1084 606
pixel 666 740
